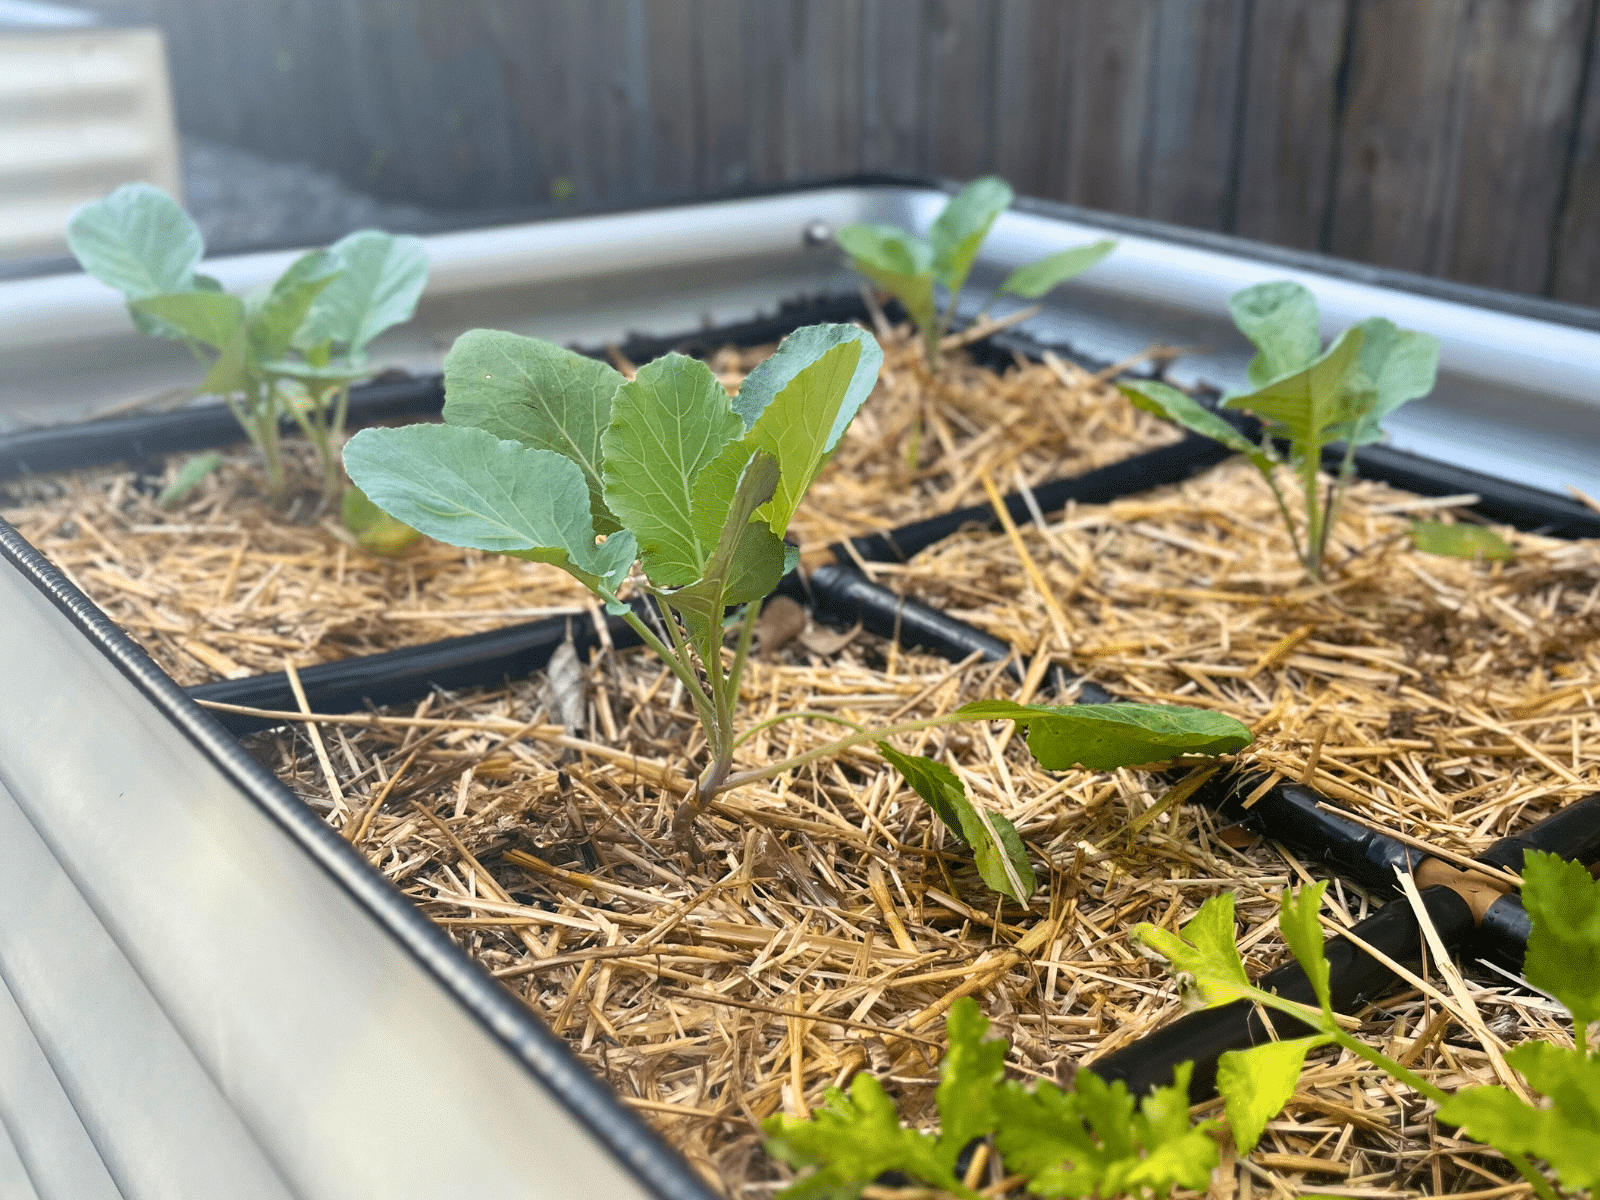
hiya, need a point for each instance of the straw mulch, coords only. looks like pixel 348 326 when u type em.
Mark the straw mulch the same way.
pixel 222 586
pixel 832 922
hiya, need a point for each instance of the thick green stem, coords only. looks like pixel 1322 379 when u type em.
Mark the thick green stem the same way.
pixel 1314 513
pixel 680 670
pixel 1580 1035
pixel 1336 497
pixel 1538 1182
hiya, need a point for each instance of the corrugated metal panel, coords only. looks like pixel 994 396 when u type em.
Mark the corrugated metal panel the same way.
pixel 81 111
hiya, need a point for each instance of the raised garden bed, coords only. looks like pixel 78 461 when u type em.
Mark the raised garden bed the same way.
pixel 542 850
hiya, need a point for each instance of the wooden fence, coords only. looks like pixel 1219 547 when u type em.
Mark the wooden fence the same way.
pixel 1454 137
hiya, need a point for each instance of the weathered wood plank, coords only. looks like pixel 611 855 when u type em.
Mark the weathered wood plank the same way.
pixel 1518 94
pixel 1197 88
pixel 1033 95
pixel 892 57
pixel 670 33
pixel 958 105
pixel 1294 54
pixel 719 77
pixel 826 67
pixel 1112 56
pixel 1397 168
pixel 1575 261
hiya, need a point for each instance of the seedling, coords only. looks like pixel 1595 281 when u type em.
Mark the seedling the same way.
pixel 666 483
pixel 1563 959
pixel 292 349
pixel 911 269
pixel 1306 397
pixel 1091 1139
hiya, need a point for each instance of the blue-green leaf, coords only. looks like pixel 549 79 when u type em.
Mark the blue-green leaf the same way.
pixel 959 229
pixel 1281 319
pixel 274 324
pixel 897 262
pixel 1103 737
pixel 211 318
pixel 997 849
pixel 137 240
pixel 1165 401
pixel 188 478
pixel 469 488
pixel 1400 365
pixel 1308 404
pixel 1035 279
pixel 1258 1082
pixel 798 352
pixel 534 392
pixel 380 281
pixel 668 424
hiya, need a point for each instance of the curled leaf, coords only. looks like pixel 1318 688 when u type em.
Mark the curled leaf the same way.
pixel 1103 737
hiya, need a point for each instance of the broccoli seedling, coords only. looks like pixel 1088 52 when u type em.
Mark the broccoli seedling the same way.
pixel 1307 397
pixel 293 348
pixel 670 485
pixel 912 269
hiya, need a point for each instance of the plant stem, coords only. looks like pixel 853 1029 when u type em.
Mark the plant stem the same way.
pixel 1580 1035
pixel 1336 497
pixel 1315 518
pixel 855 739
pixel 683 673
pixel 795 716
pixel 1288 521
pixel 1384 1063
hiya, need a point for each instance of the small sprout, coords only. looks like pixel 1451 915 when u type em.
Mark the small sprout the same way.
pixel 1306 397
pixel 189 477
pixel 911 269
pixel 1460 541
pixel 292 350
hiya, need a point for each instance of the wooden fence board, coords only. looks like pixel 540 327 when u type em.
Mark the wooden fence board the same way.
pixel 1112 57
pixel 1033 95
pixel 723 144
pixel 892 69
pixel 1288 131
pixel 957 110
pixel 1575 258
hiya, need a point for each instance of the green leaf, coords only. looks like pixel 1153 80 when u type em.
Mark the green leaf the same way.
pixel 380 280
pixel 1205 949
pixel 1103 737
pixel 469 488
pixel 188 478
pixel 1297 918
pixel 234 369
pixel 274 324
pixel 137 240
pixel 1563 903
pixel 1165 401
pixel 1460 541
pixel 376 531
pixel 971 1071
pixel 997 850
pixel 898 263
pixel 1566 1134
pixel 1400 364
pixel 666 425
pixel 1093 1141
pixel 1281 319
pixel 1035 279
pixel 800 351
pixel 1258 1082
pixel 852 1139
pixel 959 229
pixel 1308 405
pixel 530 391
pixel 208 317
pixel 796 427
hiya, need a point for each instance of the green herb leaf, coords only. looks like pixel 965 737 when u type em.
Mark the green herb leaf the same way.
pixel 1281 319
pixel 852 1139
pixel 468 488
pixel 959 229
pixel 1164 401
pixel 1297 918
pixel 1205 949
pixel 1307 404
pixel 1103 737
pixel 898 263
pixel 666 425
pixel 376 531
pixel 1035 279
pixel 380 281
pixel 1400 364
pixel 530 391
pixel 971 1071
pixel 997 849
pixel 274 324
pixel 1258 1082
pixel 1563 902
pixel 1460 541
pixel 1566 1134
pixel 188 478
pixel 1092 1141
pixel 797 353
pixel 211 318
pixel 137 240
